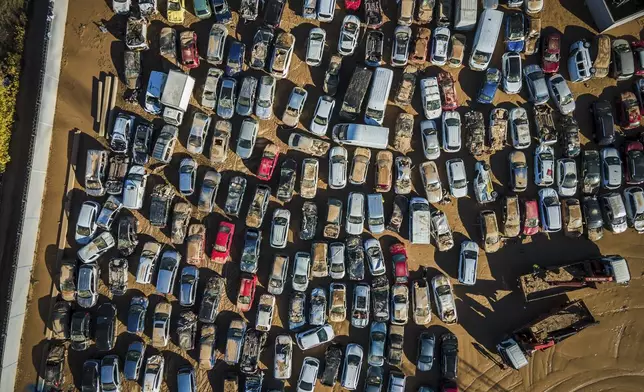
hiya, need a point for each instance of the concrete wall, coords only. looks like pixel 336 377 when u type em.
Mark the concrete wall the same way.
pixel 27 241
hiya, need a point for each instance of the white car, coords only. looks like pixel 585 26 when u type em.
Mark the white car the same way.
pixel 355 214
pixel 544 165
pixel 352 364
pixel 456 177
pixel 265 97
pixel 400 49
pixel 315 46
pixel 468 263
pixel 247 137
pixel 295 105
pixel 187 176
pixel 97 247
pixel 279 228
pixel 440 44
pixel 322 115
pixel 375 257
pixel 153 374
pixel 337 268
pixel 314 337
pixel 429 138
pixel 561 94
pixel 431 98
pixel 444 299
pixel 360 309
pixel 550 210
pixel 431 181
pixel 611 168
pixel 451 131
pixel 566 177
pixel 520 128
pixel 338 167
pixel 399 304
pixel 134 187
pixel 308 374
pixel 511 68
pixel 580 66
pixel 349 34
pixel 86 223
pixel 301 271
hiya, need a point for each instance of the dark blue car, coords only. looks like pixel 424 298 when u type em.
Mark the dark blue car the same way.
pixel 490 85
pixel 235 59
pixel 222 11
pixel 515 32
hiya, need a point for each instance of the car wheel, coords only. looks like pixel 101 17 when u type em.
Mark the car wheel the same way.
pixel 494 194
pixel 593 71
pixel 486 167
pixel 586 44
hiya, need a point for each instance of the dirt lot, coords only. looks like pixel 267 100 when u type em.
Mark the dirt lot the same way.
pixel 607 356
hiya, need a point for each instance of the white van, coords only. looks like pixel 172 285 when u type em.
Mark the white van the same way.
pixel 419 221
pixel 359 135
pixel 326 9
pixel 376 219
pixel 378 96
pixel 485 39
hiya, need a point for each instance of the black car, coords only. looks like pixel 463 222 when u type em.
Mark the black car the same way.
pixel 116 174
pixel 80 333
pixel 287 180
pixel 602 112
pixel 309 223
pixel 186 330
pixel 380 298
pixel 235 197
pixel 273 10
pixel 127 238
pixel 60 320
pixel 250 255
pixel 634 158
pixel 590 171
pixel 570 136
pixel 254 343
pixel 355 256
pixel 117 279
pixel 160 202
pixel 332 362
pixel 374 46
pixel 401 203
pixel 141 144
pixel 373 13
pixel 105 327
pixel 374 379
pixel 54 376
pixel 209 308
pixel 593 218
pixel 449 356
pixel 136 314
pixel 90 381
pixel 254 382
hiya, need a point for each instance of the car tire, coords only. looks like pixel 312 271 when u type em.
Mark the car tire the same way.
pixel 494 194
pixel 486 167
pixel 586 44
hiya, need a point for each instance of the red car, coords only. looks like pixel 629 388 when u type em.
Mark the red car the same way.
pixel 223 242
pixel 352 5
pixel 189 52
pixel 399 258
pixel 551 53
pixel 638 53
pixel 448 91
pixel 629 110
pixel 531 221
pixel 634 158
pixel 268 163
pixel 246 293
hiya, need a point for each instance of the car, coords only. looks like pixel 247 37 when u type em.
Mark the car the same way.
pixel 426 348
pixel 86 222
pixel 338 167
pixel 247 137
pixel 322 115
pixel 431 98
pixel 336 256
pixel 355 257
pixel 265 97
pixel 375 257
pixel 399 259
pixel 110 373
pixel 79 330
pixel 544 165
pixel 482 184
pixel 456 177
pixel 566 177
pixel 549 210
pixel 611 164
pixel 164 145
pixel 399 304
pixel 308 375
pixel 490 85
pixel 87 285
pixel 518 171
pixel 216 45
pixel 226 100
pixel 377 338
pixel 468 263
pixel 384 163
pixel 447 91
pixel 309 222
pixel 295 106
pixel 301 271
pixel 332 75
pixel 519 128
pixel 421 306
pixel 315 46
pixel 634 157
pixel 209 188
pixel 314 337
pixel 250 251
pixel 235 59
pixel 105 327
pixel 352 364
pixel 210 299
pixel 189 52
pixel 570 139
pixel 403 175
pixel 234 341
pixel 246 96
pixel 309 181
pixel 604 131
pixel 265 309
pixel 134 360
pixel 283 358
pixel 273 10
pixel 186 379
pixel 235 197
pixel 153 373
pixel 355 213
pixel 638 87
pixel 536 81
pixel 573 224
pixel 511 68
pixel 167 271
pixel 188 285
pixel 429 139
pixel 286 185
pixel 374 47
pixel 317 308
pixel 349 34
pixel 255 214
pixel 136 314
pixel 623 60
pixel 515 32
pixel 53 370
pixel 634 202
pixel 161 324
pixel 638 54
pixel 308 145
pixel 449 355
pixel 279 228
pixel 400 48
pixel 223 243
pixel 338 302
pixel 181 214
pixel 207 350
pixel 187 176
pixel 629 110
pixel 440 44
pixel 593 218
pixel 134 188
pixel 551 53
pixel 67 280
pixel 60 319
pixel 396 342
pixel 580 66
pixel 614 211
pixel 406 12
pixel 451 129
pixel 444 299
pixel 91 379
pixel 360 307
pixel 246 293
pixel 96 248
pixel 282 53
pixel 531 217
pixel 561 94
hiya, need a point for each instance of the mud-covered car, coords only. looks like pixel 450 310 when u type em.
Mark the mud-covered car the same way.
pixel 309 223
pixel 441 231
pixel 332 362
pixel 431 181
pixel 532 37
pixel 180 219
pixel 308 145
pixel 160 201
pixel 186 330
pixel 116 174
pixel 195 244
pixel 333 219
pixel 338 302
pixel 395 347
pixel 602 56
pixel 287 179
pixel 406 86
pixel 421 306
pixel 590 171
pixel 569 139
pixel 118 272
pixel 257 211
pixel 593 218
pixel 309 181
pixel 355 258
pixel 80 331
pixel 209 92
pixel 60 316
pixel 380 298
pixel 318 308
pixel 136 31
pixel 498 131
pixel 545 125
pixel 210 299
pixel 67 280
pixel 373 13
pixel 360 166
pixel 297 310
pixel 54 376
pixel 475 126
pixel 141 144
pixel 319 260
pixel 332 75
pixel 168 44
pixel 254 343
pixel 403 132
pixel 220 140
pixel 132 68
pixel 403 175
pixel 572 219
pixel 235 197
pixel 421 44
pixel 444 299
pixel 456 50
pixel 399 211
pixel 447 91
pixel 518 171
pixel 629 110
pixel 283 358
pixel 490 234
pixel 511 216
pixel 482 184
pixel 384 164
pixel 164 145
pixel 374 47
pixel 127 239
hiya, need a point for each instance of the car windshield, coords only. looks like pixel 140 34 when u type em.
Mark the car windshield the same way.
pixel 243 299
pixel 174 6
pixel 226 97
pixel 566 99
pixel 452 122
pixel 433 104
pixel 306 386
pixel 534 76
pixel 243 100
pixel 133 356
pixel 481 57
pixel 378 337
pixel 373 113
pixel 299 279
pixel 84 231
pixel 84 293
pixel 320 120
pixel 322 335
pixel 167 263
pixel 570 180
pixel 443 290
pixel 353 360
pixel 514 72
pixel 245 143
pixel 195 141
pixel 355 219
pixel 461 183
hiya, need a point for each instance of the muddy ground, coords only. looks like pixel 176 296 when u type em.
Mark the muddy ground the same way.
pixel 607 356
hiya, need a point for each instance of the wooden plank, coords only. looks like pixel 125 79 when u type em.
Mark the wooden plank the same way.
pixel 106 98
pixel 115 87
pixel 99 102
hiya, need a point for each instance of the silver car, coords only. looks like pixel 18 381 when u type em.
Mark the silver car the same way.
pixel 198 133
pixel 279 228
pixel 167 271
pixel 561 94
pixel 536 82
pixel 153 374
pixel 294 108
pixel 87 285
pixel 247 137
pixel 97 247
pixel 352 365
pixel 611 168
pixel 377 338
pixel 315 46
pixel 188 285
pixel 246 98
pixel 134 189
pixel 360 309
pixel 400 49
pixel 429 138
pixel 187 176
pixel 375 257
pixel 265 97
pixel 308 375
pixel 226 102
pixel 301 271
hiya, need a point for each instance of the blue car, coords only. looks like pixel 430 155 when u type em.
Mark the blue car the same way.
pixel 235 59
pixel 515 32
pixel 488 90
pixel 133 360
pixel 222 11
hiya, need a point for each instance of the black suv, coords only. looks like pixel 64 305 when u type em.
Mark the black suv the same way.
pixel 449 356
pixel 105 327
pixel 604 122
